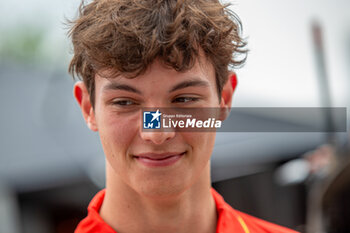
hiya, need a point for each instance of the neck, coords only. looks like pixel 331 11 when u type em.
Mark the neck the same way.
pixel 127 211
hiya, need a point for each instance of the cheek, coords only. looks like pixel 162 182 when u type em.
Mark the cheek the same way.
pixel 116 133
pixel 207 145
pixel 202 144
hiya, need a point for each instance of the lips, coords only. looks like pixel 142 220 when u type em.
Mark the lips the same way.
pixel 159 160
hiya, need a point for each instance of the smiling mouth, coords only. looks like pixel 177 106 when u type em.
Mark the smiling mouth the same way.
pixel 159 160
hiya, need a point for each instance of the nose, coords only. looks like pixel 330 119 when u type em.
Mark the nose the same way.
pixel 157 137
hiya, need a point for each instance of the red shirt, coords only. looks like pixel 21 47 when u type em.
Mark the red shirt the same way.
pixel 229 220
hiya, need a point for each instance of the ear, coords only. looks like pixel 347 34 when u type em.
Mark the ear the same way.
pixel 82 96
pixel 227 93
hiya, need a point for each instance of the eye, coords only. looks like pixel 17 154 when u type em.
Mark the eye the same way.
pixel 123 103
pixel 185 99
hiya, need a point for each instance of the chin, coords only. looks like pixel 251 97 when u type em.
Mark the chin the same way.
pixel 163 188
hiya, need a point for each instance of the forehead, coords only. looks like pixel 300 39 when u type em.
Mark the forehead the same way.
pixel 158 73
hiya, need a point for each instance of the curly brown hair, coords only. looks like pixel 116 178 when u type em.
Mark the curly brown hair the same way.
pixel 126 36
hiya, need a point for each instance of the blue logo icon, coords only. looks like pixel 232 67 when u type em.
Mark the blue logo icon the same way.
pixel 151 120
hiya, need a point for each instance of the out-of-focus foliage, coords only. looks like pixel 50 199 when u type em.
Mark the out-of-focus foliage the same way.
pixel 22 44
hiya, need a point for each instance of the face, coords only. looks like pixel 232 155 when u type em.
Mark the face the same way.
pixel 154 163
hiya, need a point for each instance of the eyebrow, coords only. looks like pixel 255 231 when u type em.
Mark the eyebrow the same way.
pixel 190 83
pixel 123 87
pixel 184 84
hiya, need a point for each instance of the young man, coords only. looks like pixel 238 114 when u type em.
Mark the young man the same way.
pixel 132 54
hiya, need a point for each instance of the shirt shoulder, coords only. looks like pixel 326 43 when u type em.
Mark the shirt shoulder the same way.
pixel 259 225
pixel 231 220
